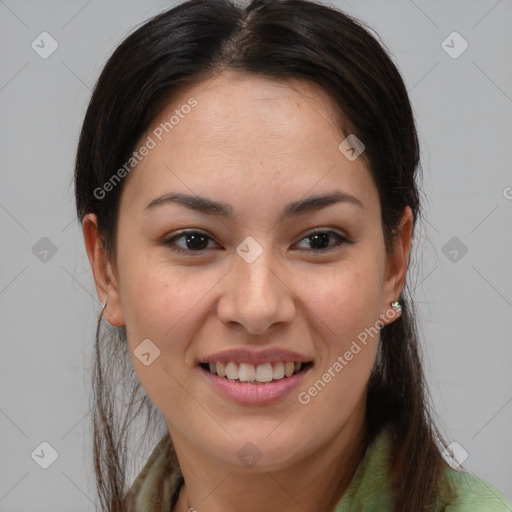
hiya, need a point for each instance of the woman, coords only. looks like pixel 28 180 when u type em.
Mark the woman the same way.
pixel 246 181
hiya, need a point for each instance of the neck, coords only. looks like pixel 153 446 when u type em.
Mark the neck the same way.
pixel 316 482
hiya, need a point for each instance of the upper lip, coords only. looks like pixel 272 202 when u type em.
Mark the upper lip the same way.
pixel 245 355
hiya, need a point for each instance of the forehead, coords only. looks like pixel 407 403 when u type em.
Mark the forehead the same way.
pixel 236 135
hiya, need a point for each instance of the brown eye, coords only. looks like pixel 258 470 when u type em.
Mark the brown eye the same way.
pixel 192 241
pixel 319 240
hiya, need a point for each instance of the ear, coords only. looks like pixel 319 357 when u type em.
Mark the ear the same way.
pixel 104 275
pixel 396 266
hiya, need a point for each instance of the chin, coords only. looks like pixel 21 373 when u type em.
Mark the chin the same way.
pixel 258 451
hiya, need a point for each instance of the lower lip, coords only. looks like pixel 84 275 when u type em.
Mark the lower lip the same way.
pixel 246 393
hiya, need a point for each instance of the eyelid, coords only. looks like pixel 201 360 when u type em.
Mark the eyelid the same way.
pixel 314 231
pixel 342 240
pixel 170 241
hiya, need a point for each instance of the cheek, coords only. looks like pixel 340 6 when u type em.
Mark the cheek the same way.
pixel 157 297
pixel 345 308
pixel 345 300
pixel 163 305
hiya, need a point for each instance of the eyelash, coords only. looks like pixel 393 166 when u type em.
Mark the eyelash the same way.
pixel 170 242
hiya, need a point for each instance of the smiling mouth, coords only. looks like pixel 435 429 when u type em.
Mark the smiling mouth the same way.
pixel 255 374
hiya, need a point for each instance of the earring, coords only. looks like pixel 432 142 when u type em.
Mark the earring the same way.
pixel 103 306
pixel 396 305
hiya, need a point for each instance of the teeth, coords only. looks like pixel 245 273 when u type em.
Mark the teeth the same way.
pixel 221 371
pixel 264 372
pixel 278 371
pixel 232 371
pixel 245 372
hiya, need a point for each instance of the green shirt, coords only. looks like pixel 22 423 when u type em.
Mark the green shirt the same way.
pixel 157 486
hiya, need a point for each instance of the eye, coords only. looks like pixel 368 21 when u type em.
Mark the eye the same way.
pixel 194 241
pixel 319 239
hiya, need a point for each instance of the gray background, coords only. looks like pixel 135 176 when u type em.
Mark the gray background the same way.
pixel 48 303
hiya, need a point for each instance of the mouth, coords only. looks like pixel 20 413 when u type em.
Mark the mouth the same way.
pixel 260 374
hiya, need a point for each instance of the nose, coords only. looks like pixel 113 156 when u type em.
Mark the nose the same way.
pixel 257 296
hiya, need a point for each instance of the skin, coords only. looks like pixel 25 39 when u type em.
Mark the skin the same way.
pixel 256 144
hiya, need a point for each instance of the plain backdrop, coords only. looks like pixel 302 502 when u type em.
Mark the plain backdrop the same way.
pixel 463 280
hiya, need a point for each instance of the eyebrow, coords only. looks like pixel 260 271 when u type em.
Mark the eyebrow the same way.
pixel 211 207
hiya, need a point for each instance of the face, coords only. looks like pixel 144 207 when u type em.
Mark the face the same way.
pixel 254 276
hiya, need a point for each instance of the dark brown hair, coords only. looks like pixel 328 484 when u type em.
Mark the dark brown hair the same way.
pixel 278 39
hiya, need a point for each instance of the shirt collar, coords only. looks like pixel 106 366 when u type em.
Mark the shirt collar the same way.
pixel 157 486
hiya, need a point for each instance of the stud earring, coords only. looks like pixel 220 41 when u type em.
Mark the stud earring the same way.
pixel 396 306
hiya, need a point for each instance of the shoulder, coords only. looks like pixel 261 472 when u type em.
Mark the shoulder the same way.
pixel 473 494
